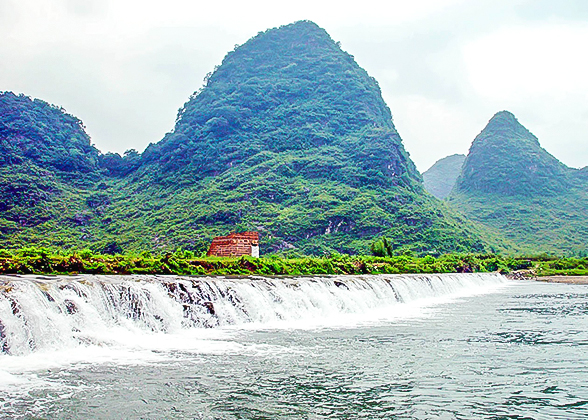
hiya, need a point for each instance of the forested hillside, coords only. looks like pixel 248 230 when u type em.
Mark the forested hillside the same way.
pixel 289 136
pixel 514 186
pixel 50 178
pixel 35 132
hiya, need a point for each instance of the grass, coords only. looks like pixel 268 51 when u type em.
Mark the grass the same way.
pixel 48 261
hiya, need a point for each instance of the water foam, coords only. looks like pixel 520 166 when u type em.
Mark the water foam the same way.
pixel 150 312
pixel 51 324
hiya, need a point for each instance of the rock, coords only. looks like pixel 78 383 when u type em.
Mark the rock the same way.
pixel 521 275
pixel 3 339
pixel 70 307
pixel 48 296
pixel 210 307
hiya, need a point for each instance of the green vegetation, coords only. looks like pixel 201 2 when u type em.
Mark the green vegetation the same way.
pixel 506 159
pixel 289 137
pixel 50 177
pixel 45 261
pixel 33 131
pixel 440 178
pixel 520 192
pixel 533 224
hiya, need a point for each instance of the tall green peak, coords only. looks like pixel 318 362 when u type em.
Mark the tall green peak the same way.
pixel 440 178
pixel 290 137
pixel 288 90
pixel 514 187
pixel 506 158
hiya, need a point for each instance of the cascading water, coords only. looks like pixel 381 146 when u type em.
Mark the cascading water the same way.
pixel 49 313
pixel 377 347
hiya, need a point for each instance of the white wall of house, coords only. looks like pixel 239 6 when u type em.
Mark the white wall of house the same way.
pixel 255 251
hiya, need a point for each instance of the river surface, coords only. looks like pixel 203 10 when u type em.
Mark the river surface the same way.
pixel 375 347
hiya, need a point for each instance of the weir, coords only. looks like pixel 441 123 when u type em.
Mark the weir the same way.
pixel 48 313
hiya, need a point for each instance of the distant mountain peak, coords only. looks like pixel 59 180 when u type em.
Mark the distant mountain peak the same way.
pixel 503 119
pixel 507 159
pixel 513 186
pixel 505 124
pixel 504 115
pixel 440 178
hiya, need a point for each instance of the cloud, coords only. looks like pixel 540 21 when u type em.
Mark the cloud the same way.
pixel 529 60
pixel 539 73
pixel 445 66
pixel 541 10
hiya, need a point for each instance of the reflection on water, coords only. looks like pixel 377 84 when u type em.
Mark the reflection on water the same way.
pixel 517 353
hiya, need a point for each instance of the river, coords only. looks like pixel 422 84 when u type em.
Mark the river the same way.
pixel 458 346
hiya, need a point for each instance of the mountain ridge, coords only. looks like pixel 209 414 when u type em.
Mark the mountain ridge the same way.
pixel 289 137
pixel 506 158
pixel 513 186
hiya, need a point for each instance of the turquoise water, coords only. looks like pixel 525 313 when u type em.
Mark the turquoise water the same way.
pixel 514 351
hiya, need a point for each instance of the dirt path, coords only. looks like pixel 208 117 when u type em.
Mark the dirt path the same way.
pixel 564 279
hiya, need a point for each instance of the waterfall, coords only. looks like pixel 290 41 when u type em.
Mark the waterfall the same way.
pixel 56 312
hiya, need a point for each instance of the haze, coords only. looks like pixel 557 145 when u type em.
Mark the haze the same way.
pixel 445 67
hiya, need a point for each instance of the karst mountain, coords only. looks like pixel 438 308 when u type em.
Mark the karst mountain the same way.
pixel 512 185
pixel 289 136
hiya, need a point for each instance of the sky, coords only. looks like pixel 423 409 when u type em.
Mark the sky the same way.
pixel 445 67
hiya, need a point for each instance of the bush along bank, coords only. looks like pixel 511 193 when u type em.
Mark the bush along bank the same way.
pixel 46 261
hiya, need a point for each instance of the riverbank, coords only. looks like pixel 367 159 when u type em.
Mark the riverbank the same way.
pixel 564 279
pixel 181 264
pixel 45 261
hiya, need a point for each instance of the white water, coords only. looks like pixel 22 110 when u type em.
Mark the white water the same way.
pixel 55 323
pixel 516 349
pixel 43 314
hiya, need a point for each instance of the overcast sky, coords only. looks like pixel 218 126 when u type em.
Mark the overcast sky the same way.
pixel 124 67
